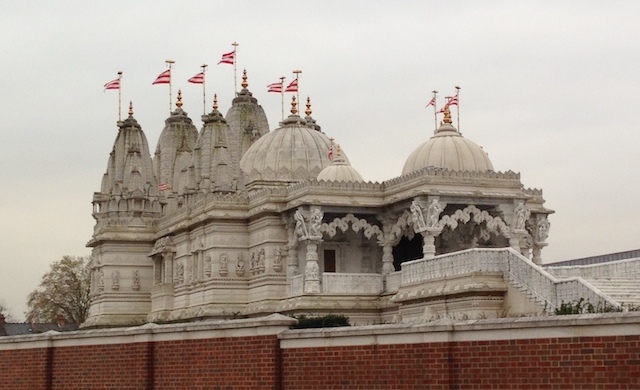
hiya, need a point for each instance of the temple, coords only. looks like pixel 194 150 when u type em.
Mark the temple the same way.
pixel 236 221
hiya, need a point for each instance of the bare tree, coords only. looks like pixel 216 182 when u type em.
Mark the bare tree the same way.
pixel 64 290
pixel 5 312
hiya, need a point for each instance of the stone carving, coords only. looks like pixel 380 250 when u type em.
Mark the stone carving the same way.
pixel 179 273
pixel 493 224
pixel 521 215
pixel 135 277
pixel 418 219
pixel 223 264
pixel 207 266
pixel 260 263
pixel 356 225
pixel 301 226
pixel 543 229
pixel 433 214
pixel 277 259
pixel 240 265
pixel 315 221
pixel 115 280
pixel 101 280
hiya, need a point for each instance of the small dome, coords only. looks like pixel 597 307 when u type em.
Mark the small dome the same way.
pixel 293 152
pixel 448 149
pixel 340 170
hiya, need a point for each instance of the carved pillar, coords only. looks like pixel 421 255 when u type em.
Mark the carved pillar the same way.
pixel 167 259
pixel 387 258
pixel 312 269
pixel 428 243
pixel 429 227
pixel 540 234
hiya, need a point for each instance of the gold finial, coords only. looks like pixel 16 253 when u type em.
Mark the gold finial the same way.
pixel 308 110
pixel 447 114
pixel 294 110
pixel 179 102
pixel 338 150
pixel 244 79
pixel 130 109
pixel 215 102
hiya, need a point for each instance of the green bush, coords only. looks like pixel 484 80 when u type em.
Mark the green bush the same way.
pixel 581 307
pixel 326 321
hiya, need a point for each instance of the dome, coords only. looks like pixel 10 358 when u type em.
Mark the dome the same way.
pixel 291 153
pixel 339 170
pixel 448 149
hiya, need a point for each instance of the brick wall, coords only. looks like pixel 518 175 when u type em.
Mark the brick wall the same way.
pixel 589 352
pixel 557 363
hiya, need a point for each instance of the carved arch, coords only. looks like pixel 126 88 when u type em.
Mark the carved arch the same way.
pixel 494 224
pixel 357 224
pixel 401 228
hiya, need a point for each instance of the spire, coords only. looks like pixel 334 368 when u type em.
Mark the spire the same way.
pixel 244 84
pixel 215 102
pixel 308 110
pixel 447 114
pixel 310 121
pixel 294 109
pixel 130 109
pixel 179 101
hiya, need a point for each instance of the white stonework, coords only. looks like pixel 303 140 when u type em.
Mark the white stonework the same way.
pixel 237 221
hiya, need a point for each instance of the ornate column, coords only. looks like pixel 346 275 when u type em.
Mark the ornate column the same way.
pixel 518 225
pixel 309 231
pixel 540 235
pixel 167 260
pixel 429 227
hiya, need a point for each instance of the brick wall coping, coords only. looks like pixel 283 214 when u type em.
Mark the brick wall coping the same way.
pixel 446 330
pixel 207 329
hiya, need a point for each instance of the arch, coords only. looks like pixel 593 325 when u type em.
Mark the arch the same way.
pixel 357 224
pixel 494 224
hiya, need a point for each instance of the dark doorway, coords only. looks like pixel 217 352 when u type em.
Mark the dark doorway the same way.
pixel 329 260
pixel 407 250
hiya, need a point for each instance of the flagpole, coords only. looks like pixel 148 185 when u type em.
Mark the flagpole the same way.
pixel 235 69
pixel 458 107
pixel 282 94
pixel 435 114
pixel 204 93
pixel 170 63
pixel 297 73
pixel 119 96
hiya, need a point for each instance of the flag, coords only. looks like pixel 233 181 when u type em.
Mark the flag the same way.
pixel 163 78
pixel 292 87
pixel 275 87
pixel 453 101
pixel 197 79
pixel 113 84
pixel 330 154
pixel 432 102
pixel 163 186
pixel 228 58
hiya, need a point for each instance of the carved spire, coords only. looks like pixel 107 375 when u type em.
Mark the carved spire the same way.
pixel 447 114
pixel 215 102
pixel 294 109
pixel 179 101
pixel 130 109
pixel 308 110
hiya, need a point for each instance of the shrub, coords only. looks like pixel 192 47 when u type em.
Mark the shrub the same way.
pixel 326 321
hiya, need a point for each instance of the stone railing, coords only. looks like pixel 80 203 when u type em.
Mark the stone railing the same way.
pixel 393 282
pixel 335 283
pixel 519 271
pixel 297 285
pixel 625 269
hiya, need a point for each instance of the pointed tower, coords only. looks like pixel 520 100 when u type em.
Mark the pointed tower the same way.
pixel 172 162
pixel 211 155
pixel 126 210
pixel 247 122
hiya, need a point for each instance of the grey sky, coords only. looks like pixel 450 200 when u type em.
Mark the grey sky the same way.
pixel 549 89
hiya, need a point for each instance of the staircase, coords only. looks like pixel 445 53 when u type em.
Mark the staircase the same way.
pixel 623 291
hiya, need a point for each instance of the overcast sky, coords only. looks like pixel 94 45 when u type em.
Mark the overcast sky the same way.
pixel 548 88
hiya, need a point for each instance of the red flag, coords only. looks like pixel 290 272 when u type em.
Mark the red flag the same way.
pixel 275 87
pixel 197 79
pixel 432 102
pixel 330 155
pixel 228 58
pixel 453 101
pixel 163 187
pixel 113 84
pixel 163 78
pixel 292 87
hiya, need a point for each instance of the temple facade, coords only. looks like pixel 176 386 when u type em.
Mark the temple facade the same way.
pixel 237 220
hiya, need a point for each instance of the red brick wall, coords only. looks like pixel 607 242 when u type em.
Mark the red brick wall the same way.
pixel 23 369
pixel 239 363
pixel 112 366
pixel 222 363
pixel 570 363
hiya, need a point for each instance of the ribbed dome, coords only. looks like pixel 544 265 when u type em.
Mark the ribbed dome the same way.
pixel 448 149
pixel 293 152
pixel 340 170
